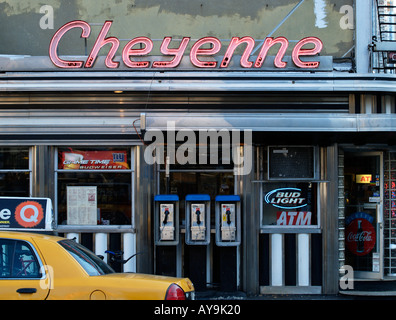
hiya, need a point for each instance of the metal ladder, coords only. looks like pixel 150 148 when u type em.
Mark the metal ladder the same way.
pixel 384 36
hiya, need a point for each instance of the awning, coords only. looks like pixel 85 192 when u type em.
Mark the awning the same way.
pixel 272 122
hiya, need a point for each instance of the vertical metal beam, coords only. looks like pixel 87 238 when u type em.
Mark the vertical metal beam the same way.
pixel 363 34
pixel 41 171
pixel 329 220
pixel 250 234
pixel 144 182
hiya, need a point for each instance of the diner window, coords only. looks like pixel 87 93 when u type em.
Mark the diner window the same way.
pixel 94 186
pixel 15 172
pixel 292 163
pixel 290 186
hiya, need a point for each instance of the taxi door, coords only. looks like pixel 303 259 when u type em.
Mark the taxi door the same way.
pixel 22 274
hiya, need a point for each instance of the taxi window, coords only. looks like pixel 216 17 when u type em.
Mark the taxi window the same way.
pixel 91 263
pixel 18 260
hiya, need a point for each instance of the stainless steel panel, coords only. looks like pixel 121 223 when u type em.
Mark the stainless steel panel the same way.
pixel 201 81
pixel 49 122
pixel 322 122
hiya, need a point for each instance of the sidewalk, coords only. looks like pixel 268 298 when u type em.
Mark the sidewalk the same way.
pixel 353 295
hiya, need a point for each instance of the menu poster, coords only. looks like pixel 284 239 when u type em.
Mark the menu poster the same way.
pixel 82 205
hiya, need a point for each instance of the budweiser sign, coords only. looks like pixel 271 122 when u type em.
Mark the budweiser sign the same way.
pixel 286 198
pixel 201 52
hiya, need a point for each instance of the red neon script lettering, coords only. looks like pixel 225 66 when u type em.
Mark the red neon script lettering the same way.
pixel 129 51
pixel 99 43
pixel 201 54
pixel 268 43
pixel 299 51
pixel 196 50
pixel 53 48
pixel 178 53
pixel 235 42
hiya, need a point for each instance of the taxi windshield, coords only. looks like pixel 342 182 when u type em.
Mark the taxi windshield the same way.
pixel 91 263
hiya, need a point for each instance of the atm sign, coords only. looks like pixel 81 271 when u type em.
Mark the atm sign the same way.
pixel 363 178
pixel 293 218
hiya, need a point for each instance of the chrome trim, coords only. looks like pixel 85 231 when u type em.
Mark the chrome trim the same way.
pixel 198 81
pixel 280 122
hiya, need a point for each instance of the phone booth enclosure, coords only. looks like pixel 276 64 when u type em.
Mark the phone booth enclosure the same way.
pixel 228 239
pixel 228 220
pixel 166 220
pixel 197 219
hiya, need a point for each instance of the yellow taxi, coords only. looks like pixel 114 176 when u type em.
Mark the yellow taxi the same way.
pixel 38 266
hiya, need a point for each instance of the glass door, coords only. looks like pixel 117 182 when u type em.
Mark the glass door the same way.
pixel 363 187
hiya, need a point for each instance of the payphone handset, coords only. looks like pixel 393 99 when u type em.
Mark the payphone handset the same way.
pixel 228 225
pixel 198 228
pixel 167 227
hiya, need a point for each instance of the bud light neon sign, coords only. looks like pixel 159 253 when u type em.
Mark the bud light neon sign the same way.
pixel 286 198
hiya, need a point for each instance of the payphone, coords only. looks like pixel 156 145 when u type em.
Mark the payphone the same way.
pixel 227 228
pixel 166 220
pixel 228 220
pixel 228 239
pixel 197 219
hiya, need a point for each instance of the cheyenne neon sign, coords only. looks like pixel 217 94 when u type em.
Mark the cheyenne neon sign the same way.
pixel 142 46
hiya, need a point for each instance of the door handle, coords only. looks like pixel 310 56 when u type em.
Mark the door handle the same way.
pixel 379 213
pixel 27 290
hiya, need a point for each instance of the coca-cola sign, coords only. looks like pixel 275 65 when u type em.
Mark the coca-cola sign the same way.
pixel 360 234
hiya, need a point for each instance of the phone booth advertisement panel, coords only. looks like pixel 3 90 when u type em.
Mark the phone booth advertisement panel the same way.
pixel 26 214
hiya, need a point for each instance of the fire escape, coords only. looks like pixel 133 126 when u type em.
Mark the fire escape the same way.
pixel 383 53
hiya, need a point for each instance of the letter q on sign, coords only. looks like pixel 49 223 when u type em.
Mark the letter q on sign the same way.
pixel 29 214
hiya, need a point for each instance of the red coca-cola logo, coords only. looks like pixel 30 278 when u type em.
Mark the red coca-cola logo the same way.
pixel 360 236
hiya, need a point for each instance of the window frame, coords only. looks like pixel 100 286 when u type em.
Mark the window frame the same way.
pixel 315 164
pixel 28 170
pixel 264 179
pixel 131 172
pixel 266 228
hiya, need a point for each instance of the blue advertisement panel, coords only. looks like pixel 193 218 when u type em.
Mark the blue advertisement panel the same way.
pixel 25 213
